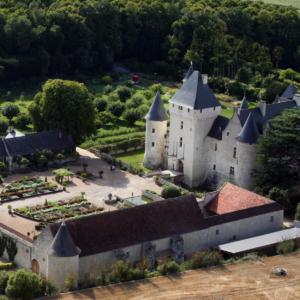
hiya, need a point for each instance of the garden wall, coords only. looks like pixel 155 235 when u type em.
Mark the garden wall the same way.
pixel 154 173
pixel 151 196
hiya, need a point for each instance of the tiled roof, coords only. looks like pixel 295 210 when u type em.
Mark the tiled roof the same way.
pixel 131 226
pixel 232 198
pixel 218 126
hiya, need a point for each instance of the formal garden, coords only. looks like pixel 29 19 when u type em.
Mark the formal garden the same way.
pixel 50 212
pixel 28 186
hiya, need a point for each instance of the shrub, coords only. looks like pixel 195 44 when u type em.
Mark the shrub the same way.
pixel 23 284
pixel 104 118
pixel 23 120
pixel 132 115
pixel 170 191
pixel 124 93
pixel 234 88
pixel 70 281
pixel 3 126
pixel 148 94
pixel 137 100
pixel 24 161
pixel 108 89
pixel 6 266
pixel 4 276
pixel 120 271
pixel 286 246
pixel 10 110
pixel 50 288
pixel 1 179
pixel 116 108
pixel 168 267
pixel 156 87
pixel 206 259
pixel 184 193
pixel 3 298
pixel 100 104
pixel 107 79
pixel 83 175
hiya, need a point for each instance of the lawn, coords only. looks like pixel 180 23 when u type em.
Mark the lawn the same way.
pixel 133 158
pixel 229 112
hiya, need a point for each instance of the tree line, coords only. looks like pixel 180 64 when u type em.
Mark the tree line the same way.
pixel 50 37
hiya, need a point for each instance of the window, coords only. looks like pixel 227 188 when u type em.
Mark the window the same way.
pixel 127 254
pixel 173 105
pixel 200 110
pixel 152 144
pixel 188 110
pixel 231 171
pixel 234 152
pixel 214 167
pixel 216 146
pixel 227 133
pixel 190 129
pixel 181 125
pixel 153 130
pixel 180 107
pixel 180 142
pixel 214 108
pixel 272 219
pixel 217 232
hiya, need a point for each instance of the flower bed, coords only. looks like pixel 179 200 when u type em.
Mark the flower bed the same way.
pixel 27 187
pixel 55 211
pixel 87 175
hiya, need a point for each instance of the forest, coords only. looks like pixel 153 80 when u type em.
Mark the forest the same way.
pixel 52 37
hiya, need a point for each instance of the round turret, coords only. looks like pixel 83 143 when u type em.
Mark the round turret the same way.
pixel 63 258
pixel 156 128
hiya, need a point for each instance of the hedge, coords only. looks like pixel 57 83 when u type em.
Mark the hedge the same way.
pixel 6 266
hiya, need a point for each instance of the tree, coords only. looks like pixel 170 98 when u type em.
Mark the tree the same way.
pixel 10 111
pixel 280 196
pixel 2 166
pixel 65 105
pixel 131 115
pixel 243 75
pixel 278 153
pixel 116 108
pixel 264 60
pixel 23 284
pixel 3 126
pixel 24 161
pixel 104 118
pixel 297 215
pixel 42 159
pixel 100 104
pixel 23 120
pixel 59 157
pixel 170 191
pixel 124 93
pixel 156 87
pixel 277 53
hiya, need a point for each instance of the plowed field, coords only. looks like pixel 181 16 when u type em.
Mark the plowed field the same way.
pixel 247 280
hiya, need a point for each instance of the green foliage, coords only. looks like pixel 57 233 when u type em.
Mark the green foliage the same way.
pixel 23 284
pixel 50 287
pixel 273 90
pixel 60 174
pixel 6 266
pixel 132 115
pixel 137 100
pixel 148 94
pixel 65 105
pixel 116 108
pixel 104 118
pixel 107 80
pixel 70 281
pixel 156 87
pixel 297 215
pixel 108 89
pixel 1 180
pixel 100 104
pixel 285 246
pixel 42 159
pixel 3 126
pixel 167 267
pixel 75 155
pixel 120 271
pixel 10 111
pixel 277 150
pixel 24 161
pixel 4 276
pixel 59 156
pixel 280 196
pixel 243 75
pixel 23 120
pixel 124 93
pixel 170 191
pixel 11 248
pixel 206 259
pixel 2 165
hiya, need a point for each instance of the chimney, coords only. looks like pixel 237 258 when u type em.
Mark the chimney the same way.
pixel 60 134
pixel 262 106
pixel 297 99
pixel 205 78
pixel 11 129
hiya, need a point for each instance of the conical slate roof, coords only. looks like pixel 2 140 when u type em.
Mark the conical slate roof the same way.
pixel 289 92
pixel 195 94
pixel 249 133
pixel 188 74
pixel 157 111
pixel 244 104
pixel 63 244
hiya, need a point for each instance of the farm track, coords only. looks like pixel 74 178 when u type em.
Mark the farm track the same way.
pixel 247 280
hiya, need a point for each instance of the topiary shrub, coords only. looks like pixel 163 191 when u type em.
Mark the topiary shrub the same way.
pixel 106 80
pixel 4 276
pixel 170 192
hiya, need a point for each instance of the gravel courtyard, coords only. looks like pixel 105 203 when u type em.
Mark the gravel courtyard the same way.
pixel 119 183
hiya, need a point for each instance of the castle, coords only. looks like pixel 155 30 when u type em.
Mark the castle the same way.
pixel 203 146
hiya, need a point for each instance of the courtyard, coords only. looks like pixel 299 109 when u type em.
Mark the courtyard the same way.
pixel 119 183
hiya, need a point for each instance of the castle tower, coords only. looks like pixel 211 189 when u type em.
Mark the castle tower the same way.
pixel 63 257
pixel 246 150
pixel 156 128
pixel 193 110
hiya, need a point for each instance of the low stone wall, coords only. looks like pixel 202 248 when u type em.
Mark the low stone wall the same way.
pixel 104 155
pixel 97 152
pixel 151 196
pixel 154 173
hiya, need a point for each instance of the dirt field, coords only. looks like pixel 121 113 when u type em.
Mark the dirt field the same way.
pixel 248 280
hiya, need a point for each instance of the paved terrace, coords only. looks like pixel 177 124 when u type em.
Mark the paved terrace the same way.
pixel 119 183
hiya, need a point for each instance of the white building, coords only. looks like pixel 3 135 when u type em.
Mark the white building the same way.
pixel 204 146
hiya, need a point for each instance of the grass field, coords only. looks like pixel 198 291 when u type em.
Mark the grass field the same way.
pixel 133 158
pixel 295 3
pixel 229 112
